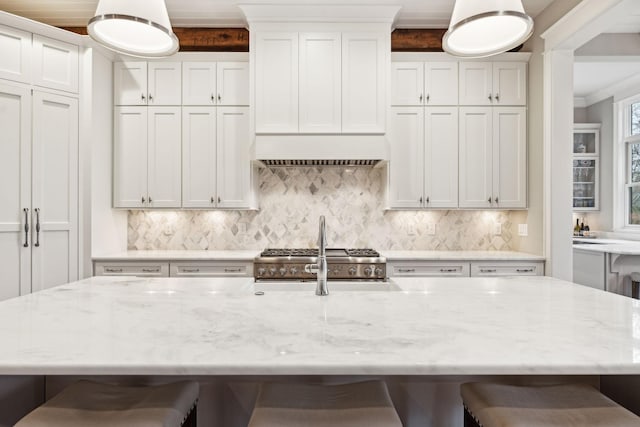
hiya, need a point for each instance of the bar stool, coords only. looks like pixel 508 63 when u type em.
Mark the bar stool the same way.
pixel 365 404
pixel 88 403
pixel 635 285
pixel 493 405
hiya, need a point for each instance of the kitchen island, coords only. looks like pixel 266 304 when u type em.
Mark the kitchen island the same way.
pixel 446 328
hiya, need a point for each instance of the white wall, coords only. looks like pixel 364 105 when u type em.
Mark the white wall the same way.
pixel 109 226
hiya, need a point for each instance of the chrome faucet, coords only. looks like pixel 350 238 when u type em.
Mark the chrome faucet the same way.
pixel 321 268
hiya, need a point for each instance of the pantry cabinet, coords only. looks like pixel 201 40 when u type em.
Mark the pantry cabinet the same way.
pixel 215 83
pixel 493 172
pixel 15 61
pixel 493 83
pixel 428 83
pixel 55 64
pixel 147 83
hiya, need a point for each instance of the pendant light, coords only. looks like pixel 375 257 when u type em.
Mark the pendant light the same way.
pixel 480 28
pixel 134 27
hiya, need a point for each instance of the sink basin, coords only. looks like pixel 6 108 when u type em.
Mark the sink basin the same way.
pixel 583 242
pixel 334 286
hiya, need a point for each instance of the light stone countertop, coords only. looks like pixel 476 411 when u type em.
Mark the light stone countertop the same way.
pixel 459 256
pixel 179 255
pixel 437 326
pixel 613 246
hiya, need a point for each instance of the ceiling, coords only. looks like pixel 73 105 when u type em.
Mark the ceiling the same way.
pixel 225 13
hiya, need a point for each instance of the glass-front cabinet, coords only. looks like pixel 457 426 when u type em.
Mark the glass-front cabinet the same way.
pixel 586 167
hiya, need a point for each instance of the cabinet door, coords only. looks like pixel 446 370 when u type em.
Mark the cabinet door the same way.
pixel 475 157
pixel 199 157
pixel 364 59
pixel 164 153
pixel 320 83
pixel 55 64
pixel 233 83
pixel 199 83
pixel 510 83
pixel 132 268
pixel 276 83
pixel 441 157
pixel 165 83
pixel 407 80
pixel 476 83
pixel 15 60
pixel 130 157
pixel 441 83
pixel 510 157
pixel 130 83
pixel 406 167
pixel 234 164
pixel 15 191
pixel 54 191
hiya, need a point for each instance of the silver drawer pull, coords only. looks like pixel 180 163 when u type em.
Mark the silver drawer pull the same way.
pixel 233 270
pixel 524 270
pixel 406 270
pixel 151 270
pixel 191 270
pixel 448 270
pixel 113 270
pixel 487 270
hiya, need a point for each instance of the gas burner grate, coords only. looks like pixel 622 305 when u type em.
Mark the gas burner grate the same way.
pixel 362 253
pixel 278 252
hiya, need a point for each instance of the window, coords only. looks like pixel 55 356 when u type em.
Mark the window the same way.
pixel 631 138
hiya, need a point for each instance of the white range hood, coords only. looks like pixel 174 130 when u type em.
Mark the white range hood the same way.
pixel 319 82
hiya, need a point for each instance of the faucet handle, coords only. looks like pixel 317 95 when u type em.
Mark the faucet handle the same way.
pixel 322 235
pixel 311 268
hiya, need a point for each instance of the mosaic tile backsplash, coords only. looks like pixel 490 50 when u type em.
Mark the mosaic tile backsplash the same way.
pixel 292 199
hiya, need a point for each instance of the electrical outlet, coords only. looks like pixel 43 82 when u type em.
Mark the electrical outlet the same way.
pixel 523 230
pixel 431 229
pixel 497 228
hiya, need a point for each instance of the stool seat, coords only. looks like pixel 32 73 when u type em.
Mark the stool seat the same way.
pixel 493 405
pixel 365 404
pixel 88 403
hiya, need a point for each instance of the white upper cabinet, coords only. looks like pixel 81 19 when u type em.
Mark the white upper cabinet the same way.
pixel 441 83
pixel 55 64
pixel 164 157
pixel 276 77
pixel 233 162
pixel 215 83
pixel 233 83
pixel 364 65
pixel 164 83
pixel 407 83
pixel 142 83
pixel 441 157
pixel 15 60
pixel 320 83
pixel 130 157
pixel 493 169
pixel 406 159
pixel 199 158
pixel 493 83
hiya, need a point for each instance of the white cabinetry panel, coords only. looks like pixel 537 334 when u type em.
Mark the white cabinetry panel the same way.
pixel 234 165
pixel 199 83
pixel 55 191
pixel 476 83
pixel 132 268
pixel 510 157
pixel 164 154
pixel 320 83
pixel 441 157
pixel 164 83
pixel 476 157
pixel 364 63
pixel 441 83
pixel 510 83
pixel 55 64
pixel 276 83
pixel 407 80
pixel 406 163
pixel 130 157
pixel 199 158
pixel 130 83
pixel 233 83
pixel 15 60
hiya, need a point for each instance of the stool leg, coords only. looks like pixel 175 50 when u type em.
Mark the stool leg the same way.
pixel 469 421
pixel 635 290
pixel 191 418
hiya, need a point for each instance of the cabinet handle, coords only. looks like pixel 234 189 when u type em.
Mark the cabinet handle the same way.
pixel 143 200
pixel 420 200
pixel 428 199
pixel 219 199
pixel 26 227
pixel 150 98
pixel 233 270
pixel 490 98
pixel 213 99
pixel 37 243
pixel 428 98
pixel 497 97
pixel 420 97
pixel 406 270
pixel 151 270
pixel 448 270
pixel 524 270
pixel 487 270
pixel 496 199
pixel 150 200
pixel 143 97
pixel 113 270
pixel 489 199
pixel 219 98
pixel 213 200
pixel 191 270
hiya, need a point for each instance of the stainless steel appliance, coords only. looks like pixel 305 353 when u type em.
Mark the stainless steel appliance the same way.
pixel 342 264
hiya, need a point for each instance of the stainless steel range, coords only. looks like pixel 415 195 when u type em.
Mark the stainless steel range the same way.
pixel 343 264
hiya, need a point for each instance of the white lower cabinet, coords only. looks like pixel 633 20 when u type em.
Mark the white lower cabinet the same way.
pixel 132 268
pixel 464 268
pixel 39 171
pixel 211 269
pixel 506 268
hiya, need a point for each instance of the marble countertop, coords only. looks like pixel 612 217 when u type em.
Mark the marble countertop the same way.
pixel 436 326
pixel 179 255
pixel 460 256
pixel 614 246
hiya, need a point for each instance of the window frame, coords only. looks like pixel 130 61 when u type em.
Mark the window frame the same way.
pixel 622 166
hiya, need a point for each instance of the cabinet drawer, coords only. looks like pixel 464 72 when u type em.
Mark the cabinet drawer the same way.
pixel 141 269
pixel 211 269
pixel 492 269
pixel 427 269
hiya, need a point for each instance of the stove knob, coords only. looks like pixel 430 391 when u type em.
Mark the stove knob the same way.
pixel 283 271
pixel 352 271
pixel 261 271
pixel 293 270
pixel 368 271
pixel 272 271
pixel 378 271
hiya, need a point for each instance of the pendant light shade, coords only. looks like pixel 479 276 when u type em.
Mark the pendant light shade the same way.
pixel 481 28
pixel 134 27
